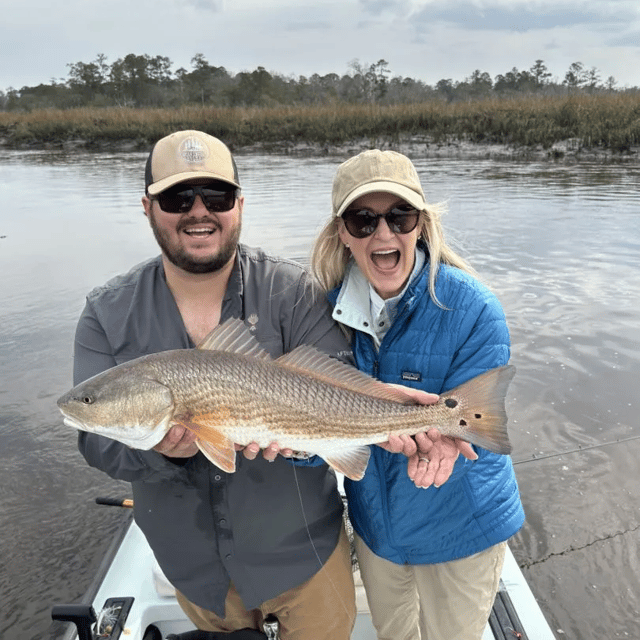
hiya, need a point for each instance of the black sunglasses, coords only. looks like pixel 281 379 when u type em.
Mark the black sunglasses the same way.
pixel 180 198
pixel 361 223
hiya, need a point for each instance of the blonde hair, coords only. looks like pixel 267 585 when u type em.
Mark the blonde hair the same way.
pixel 329 256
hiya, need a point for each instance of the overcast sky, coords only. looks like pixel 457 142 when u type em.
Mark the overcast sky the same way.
pixel 423 39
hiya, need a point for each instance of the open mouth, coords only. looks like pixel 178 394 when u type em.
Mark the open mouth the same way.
pixel 195 228
pixel 387 259
pixel 199 232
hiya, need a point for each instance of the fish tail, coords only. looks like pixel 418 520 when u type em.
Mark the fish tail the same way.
pixel 483 420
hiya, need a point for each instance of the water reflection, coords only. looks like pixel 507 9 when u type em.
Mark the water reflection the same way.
pixel 558 243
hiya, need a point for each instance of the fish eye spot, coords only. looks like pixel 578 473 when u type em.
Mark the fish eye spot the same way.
pixel 451 403
pixel 87 400
pixel 463 423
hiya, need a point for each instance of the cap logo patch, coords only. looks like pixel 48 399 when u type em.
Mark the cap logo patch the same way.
pixel 193 151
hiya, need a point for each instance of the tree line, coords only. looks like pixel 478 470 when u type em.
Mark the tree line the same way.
pixel 146 81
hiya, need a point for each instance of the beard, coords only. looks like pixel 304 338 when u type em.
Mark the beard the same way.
pixel 181 259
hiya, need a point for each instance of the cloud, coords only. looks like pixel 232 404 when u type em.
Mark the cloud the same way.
pixel 207 5
pixel 524 16
pixel 378 7
pixel 308 25
pixel 422 39
pixel 629 40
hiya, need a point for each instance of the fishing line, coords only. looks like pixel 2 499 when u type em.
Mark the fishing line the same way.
pixel 535 458
pixel 315 550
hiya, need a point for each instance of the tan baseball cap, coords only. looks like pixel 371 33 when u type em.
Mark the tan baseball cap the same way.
pixel 186 155
pixel 376 170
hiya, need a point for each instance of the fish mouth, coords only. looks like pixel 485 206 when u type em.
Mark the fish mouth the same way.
pixel 131 435
pixel 71 422
pixel 142 441
pixel 385 259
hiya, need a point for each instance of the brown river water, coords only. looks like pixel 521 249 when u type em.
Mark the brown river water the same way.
pixel 558 243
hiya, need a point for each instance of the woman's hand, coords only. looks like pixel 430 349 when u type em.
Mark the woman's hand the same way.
pixel 431 455
pixel 406 444
pixel 433 463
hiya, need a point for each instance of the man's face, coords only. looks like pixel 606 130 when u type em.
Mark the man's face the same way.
pixel 196 241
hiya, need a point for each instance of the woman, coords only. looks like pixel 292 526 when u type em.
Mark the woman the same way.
pixel 430 559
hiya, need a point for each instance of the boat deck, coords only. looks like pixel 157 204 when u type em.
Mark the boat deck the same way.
pixel 130 573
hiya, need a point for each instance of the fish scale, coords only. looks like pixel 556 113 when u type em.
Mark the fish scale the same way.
pixel 279 397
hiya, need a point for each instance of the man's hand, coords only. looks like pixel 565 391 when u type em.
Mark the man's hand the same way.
pixel 179 442
pixel 251 451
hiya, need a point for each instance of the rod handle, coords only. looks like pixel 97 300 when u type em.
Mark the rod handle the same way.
pixel 115 502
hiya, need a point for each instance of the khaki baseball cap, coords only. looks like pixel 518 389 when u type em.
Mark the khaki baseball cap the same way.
pixel 376 170
pixel 186 155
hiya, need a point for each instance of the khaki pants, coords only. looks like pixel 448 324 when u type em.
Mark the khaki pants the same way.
pixel 323 608
pixel 446 601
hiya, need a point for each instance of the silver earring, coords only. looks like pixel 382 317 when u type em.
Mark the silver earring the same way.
pixel 347 246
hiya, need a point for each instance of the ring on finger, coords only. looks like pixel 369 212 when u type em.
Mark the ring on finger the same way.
pixel 425 459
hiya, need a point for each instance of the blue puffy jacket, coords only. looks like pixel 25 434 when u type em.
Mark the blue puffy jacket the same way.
pixel 436 349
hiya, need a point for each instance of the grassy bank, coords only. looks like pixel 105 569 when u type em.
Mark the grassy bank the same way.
pixel 609 122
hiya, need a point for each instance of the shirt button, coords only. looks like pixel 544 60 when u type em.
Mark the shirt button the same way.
pixel 338 311
pixel 222 521
pixel 381 324
pixel 217 477
pixel 366 324
pixel 228 556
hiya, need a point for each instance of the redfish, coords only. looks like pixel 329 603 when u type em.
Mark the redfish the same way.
pixel 229 390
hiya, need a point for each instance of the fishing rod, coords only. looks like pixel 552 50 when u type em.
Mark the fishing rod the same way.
pixel 579 449
pixel 116 502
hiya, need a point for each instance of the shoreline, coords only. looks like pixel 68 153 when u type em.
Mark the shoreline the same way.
pixel 422 147
pixel 415 146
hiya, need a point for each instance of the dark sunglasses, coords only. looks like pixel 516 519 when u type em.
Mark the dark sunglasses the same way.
pixel 361 223
pixel 180 198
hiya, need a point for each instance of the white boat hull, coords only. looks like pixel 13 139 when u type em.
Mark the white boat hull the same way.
pixel 134 573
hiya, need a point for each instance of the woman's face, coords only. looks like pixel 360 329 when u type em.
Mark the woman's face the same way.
pixel 386 258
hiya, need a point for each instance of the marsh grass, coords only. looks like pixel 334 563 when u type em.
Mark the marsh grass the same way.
pixel 609 121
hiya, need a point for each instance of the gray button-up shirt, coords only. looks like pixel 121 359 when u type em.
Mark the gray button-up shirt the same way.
pixel 207 527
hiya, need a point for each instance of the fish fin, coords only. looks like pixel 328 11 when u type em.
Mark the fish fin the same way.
pixel 214 444
pixel 223 459
pixel 234 337
pixel 308 360
pixel 484 414
pixel 352 463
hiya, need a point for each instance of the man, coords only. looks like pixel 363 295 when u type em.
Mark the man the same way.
pixel 267 539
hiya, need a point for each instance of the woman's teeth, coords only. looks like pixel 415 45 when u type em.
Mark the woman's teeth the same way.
pixel 385 259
